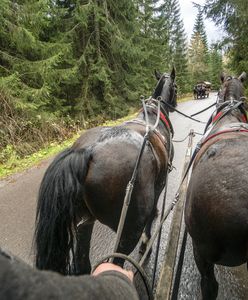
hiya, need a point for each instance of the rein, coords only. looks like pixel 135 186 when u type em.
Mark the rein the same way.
pixel 181 113
pixel 201 111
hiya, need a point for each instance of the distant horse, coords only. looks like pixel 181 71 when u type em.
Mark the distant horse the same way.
pixel 216 211
pixel 87 182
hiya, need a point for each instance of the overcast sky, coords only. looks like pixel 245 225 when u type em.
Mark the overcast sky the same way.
pixel 188 14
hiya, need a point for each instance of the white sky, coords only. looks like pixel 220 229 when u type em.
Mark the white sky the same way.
pixel 188 15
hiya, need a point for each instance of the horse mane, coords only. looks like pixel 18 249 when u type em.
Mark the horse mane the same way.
pixel 159 87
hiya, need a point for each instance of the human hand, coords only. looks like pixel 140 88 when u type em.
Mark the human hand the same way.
pixel 111 267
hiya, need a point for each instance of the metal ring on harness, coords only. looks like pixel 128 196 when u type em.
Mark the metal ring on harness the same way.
pixel 135 264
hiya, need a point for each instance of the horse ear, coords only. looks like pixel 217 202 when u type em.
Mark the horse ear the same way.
pixel 222 77
pixel 157 74
pixel 242 77
pixel 173 73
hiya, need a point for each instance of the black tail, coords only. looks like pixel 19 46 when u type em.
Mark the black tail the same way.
pixel 247 255
pixel 60 196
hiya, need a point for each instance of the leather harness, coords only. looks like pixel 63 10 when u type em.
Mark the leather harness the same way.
pixel 222 111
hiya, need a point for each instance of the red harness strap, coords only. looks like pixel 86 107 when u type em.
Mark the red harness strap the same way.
pixel 221 132
pixel 217 116
pixel 163 118
pixel 240 128
pixel 244 118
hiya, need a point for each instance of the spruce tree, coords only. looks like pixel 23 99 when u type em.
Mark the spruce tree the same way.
pixel 148 40
pixel 232 15
pixel 199 27
pixel 197 65
pixel 170 28
pixel 198 57
pixel 70 60
pixel 215 65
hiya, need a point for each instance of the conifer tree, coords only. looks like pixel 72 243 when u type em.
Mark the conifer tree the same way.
pixel 232 15
pixel 198 58
pixel 171 30
pixel 73 57
pixel 197 65
pixel 199 27
pixel 70 59
pixel 215 65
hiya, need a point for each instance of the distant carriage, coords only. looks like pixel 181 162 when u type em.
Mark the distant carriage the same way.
pixel 202 90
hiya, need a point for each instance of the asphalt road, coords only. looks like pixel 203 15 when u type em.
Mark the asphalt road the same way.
pixel 18 202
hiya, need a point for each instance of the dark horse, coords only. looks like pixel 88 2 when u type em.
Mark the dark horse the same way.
pixel 87 182
pixel 216 211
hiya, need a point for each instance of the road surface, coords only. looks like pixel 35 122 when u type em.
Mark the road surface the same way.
pixel 18 202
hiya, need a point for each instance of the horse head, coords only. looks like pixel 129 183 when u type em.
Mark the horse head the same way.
pixel 232 87
pixel 230 99
pixel 166 89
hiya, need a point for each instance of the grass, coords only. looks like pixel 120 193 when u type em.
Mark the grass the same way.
pixel 15 164
pixel 185 98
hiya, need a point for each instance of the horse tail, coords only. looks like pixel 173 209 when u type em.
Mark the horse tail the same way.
pixel 247 255
pixel 59 196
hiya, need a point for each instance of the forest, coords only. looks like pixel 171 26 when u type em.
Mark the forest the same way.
pixel 66 65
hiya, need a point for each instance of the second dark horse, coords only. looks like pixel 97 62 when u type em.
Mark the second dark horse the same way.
pixel 216 210
pixel 87 182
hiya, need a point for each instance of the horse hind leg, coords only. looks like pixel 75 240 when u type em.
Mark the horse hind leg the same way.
pixel 82 259
pixel 146 235
pixel 129 240
pixel 209 285
pixel 137 217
